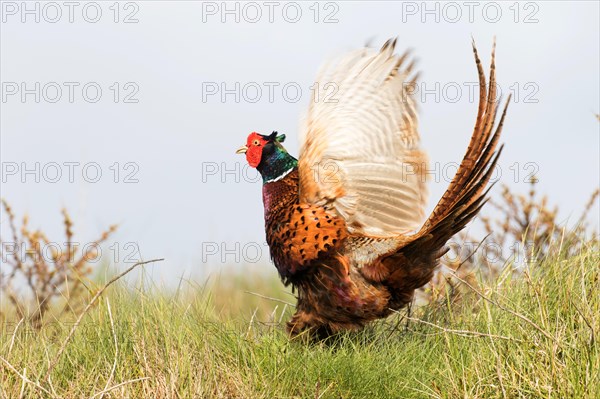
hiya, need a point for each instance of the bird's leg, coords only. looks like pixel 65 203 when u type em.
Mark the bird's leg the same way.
pixel 408 314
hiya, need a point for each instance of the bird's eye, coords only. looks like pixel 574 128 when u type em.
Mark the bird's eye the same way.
pixel 256 142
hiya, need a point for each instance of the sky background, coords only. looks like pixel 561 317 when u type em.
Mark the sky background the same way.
pixel 162 121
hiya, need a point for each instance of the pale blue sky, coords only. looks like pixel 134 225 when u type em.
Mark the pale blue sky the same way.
pixel 172 134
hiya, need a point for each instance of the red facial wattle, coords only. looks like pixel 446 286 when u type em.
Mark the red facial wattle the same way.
pixel 255 146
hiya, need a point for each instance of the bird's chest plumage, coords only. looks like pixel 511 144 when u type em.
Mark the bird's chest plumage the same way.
pixel 308 245
pixel 298 234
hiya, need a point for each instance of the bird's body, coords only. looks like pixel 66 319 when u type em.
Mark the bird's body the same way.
pixel 333 295
pixel 342 222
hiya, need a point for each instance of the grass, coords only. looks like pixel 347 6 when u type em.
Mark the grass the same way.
pixel 530 336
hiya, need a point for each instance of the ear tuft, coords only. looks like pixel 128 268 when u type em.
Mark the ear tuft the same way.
pixel 275 137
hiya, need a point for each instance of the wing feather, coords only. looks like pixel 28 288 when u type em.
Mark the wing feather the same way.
pixel 360 151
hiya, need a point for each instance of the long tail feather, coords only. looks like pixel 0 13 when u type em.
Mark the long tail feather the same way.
pixel 480 159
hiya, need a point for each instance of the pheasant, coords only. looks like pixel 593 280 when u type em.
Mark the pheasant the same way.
pixel 345 222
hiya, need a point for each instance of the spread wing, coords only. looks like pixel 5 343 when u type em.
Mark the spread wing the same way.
pixel 360 152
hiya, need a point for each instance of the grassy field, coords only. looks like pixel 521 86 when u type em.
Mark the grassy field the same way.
pixel 529 336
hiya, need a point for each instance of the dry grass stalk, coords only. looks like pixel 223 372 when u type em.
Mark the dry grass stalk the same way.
pixel 525 232
pixel 44 270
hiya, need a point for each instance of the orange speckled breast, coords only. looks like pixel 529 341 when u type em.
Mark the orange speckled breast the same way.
pixel 298 234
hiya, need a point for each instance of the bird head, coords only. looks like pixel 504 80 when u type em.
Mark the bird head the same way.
pixel 258 147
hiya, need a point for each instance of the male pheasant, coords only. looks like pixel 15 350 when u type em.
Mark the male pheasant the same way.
pixel 344 222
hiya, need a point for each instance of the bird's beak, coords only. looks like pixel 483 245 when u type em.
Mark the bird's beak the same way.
pixel 242 150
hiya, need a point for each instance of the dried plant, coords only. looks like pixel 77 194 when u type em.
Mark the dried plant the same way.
pixel 525 232
pixel 36 271
pixel 529 220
